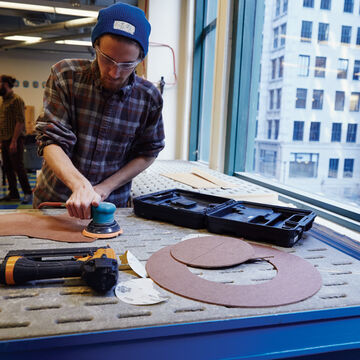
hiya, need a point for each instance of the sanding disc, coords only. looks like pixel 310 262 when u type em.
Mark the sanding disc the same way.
pixel 296 280
pixel 212 251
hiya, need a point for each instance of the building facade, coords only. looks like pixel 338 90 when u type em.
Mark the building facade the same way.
pixel 309 97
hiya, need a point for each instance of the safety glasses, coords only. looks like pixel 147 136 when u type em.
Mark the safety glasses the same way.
pixel 108 61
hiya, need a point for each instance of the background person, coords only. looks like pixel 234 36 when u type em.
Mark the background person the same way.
pixel 12 131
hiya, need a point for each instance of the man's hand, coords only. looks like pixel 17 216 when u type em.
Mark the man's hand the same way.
pixel 79 203
pixel 13 147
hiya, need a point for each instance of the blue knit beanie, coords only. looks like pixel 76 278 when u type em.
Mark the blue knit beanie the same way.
pixel 126 20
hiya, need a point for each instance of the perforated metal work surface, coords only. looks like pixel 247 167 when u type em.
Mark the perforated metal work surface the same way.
pixel 67 306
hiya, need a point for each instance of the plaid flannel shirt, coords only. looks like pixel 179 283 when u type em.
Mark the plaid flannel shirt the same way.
pixel 100 131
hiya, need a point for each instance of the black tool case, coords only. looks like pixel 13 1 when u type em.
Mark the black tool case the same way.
pixel 277 225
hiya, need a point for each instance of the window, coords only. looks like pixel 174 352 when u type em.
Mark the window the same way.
pixel 304 62
pixel 325 4
pixel 351 133
pixel 276 130
pixel 318 96
pixel 303 165
pixel 269 129
pixel 276 38
pixel 271 104
pixel 268 162
pixel 285 6
pixel 314 131
pixel 354 101
pixel 342 68
pixel 277 8
pixel 320 65
pixel 356 74
pixel 339 100
pixel 308 3
pixel 358 36
pixel 298 131
pixel 273 68
pixel 281 66
pixel 345 34
pixel 300 98
pixel 348 168
pixel 278 98
pixel 323 34
pixel 336 132
pixel 306 31
pixel 283 34
pixel 333 168
pixel 348 6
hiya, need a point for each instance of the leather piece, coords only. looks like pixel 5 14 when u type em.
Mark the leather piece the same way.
pixel 52 227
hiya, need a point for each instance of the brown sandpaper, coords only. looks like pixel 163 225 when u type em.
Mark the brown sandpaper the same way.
pixel 295 281
pixel 56 227
pixel 212 251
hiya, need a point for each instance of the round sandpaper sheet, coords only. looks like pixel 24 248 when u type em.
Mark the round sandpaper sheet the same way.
pixel 212 251
pixel 296 280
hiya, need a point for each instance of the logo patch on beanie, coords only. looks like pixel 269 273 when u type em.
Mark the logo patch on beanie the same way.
pixel 124 26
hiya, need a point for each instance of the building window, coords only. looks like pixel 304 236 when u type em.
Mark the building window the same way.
pixel 336 132
pixel 308 3
pixel 271 105
pixel 273 69
pixel 342 68
pixel 306 31
pixel 281 66
pixel 348 168
pixel 333 168
pixel 317 101
pixel 320 65
pixel 276 38
pixel 356 74
pixel 358 36
pixel 314 131
pixel 269 129
pixel 351 133
pixel 354 101
pixel 348 6
pixel 268 162
pixel 323 34
pixel 278 98
pixel 300 98
pixel 325 4
pixel 303 165
pixel 345 34
pixel 282 34
pixel 285 6
pixel 298 131
pixel 276 130
pixel 339 100
pixel 304 62
pixel 277 8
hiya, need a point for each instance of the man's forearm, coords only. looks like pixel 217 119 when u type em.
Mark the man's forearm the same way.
pixel 63 168
pixel 124 175
pixel 17 131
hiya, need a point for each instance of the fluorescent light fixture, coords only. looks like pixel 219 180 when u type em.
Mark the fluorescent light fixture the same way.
pixel 48 9
pixel 76 12
pixel 74 42
pixel 28 39
pixel 30 7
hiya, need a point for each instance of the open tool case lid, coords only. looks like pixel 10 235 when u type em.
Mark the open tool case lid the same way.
pixel 278 225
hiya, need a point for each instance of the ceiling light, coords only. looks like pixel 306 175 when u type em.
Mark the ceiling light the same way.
pixel 28 39
pixel 74 42
pixel 48 9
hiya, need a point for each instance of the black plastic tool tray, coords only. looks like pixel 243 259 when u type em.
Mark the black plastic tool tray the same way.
pixel 278 225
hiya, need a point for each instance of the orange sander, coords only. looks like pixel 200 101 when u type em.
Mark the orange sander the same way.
pixel 103 225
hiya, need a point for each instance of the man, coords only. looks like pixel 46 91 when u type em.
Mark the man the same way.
pixel 12 125
pixel 102 124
